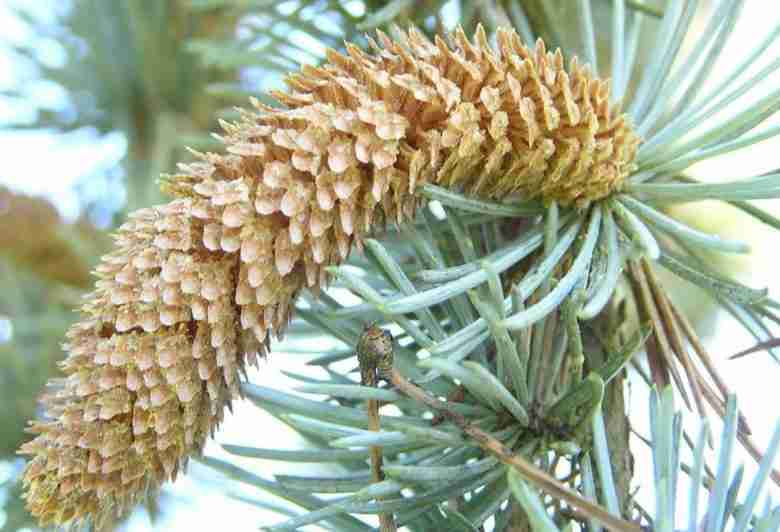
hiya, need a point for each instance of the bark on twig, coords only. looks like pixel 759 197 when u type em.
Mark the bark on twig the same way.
pixel 374 349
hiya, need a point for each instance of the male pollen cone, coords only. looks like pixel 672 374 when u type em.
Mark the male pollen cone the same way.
pixel 195 286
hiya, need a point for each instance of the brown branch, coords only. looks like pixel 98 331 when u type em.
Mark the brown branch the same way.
pixel 769 344
pixel 386 520
pixel 675 317
pixel 374 349
pixel 376 451
pixel 704 356
pixel 675 336
pixel 491 445
pixel 659 352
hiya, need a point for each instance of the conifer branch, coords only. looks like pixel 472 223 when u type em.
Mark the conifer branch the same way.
pixel 494 447
pixel 197 287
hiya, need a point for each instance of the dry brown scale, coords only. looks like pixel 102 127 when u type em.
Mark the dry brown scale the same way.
pixel 196 286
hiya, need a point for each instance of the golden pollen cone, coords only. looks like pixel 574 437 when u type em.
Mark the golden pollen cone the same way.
pixel 195 286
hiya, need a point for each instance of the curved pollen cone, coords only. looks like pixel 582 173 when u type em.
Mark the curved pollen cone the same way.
pixel 195 286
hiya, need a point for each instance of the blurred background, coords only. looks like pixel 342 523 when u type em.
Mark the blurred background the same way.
pixel 97 98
